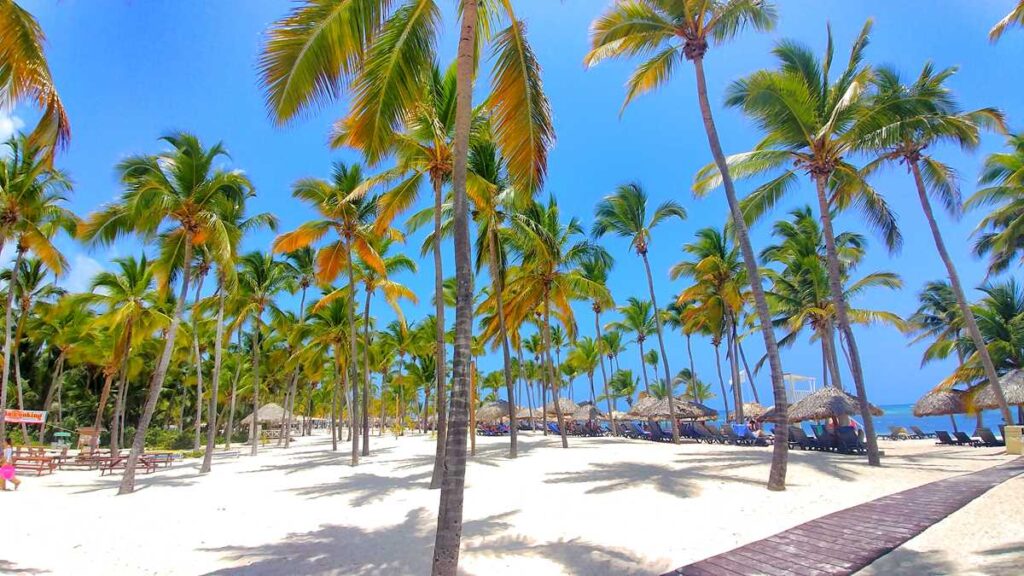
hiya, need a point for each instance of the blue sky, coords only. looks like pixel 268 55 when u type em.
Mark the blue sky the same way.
pixel 130 71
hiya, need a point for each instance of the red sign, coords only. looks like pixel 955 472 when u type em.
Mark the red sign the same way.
pixel 25 416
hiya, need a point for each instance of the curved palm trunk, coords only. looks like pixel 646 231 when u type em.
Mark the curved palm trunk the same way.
pixel 334 399
pixel 604 373
pixel 115 422
pixel 440 370
pixel 353 365
pixel 7 345
pixel 664 353
pixel 506 355
pixel 643 366
pixel 254 426
pixel 234 394
pixel 550 373
pixel 721 381
pixel 157 382
pixel 199 363
pixel 780 453
pixel 689 352
pixel 961 299
pixel 54 385
pixel 366 373
pixel 19 333
pixel 734 368
pixel 746 368
pixel 293 382
pixel 449 517
pixel 526 384
pixel 836 289
pixel 828 343
pixel 218 357
pixel 108 380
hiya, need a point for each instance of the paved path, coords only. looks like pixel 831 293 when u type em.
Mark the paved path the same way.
pixel 847 541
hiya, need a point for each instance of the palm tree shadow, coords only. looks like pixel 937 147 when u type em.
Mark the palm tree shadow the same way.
pixel 365 488
pixel 7 567
pixel 827 463
pixel 574 556
pixel 906 562
pixel 404 548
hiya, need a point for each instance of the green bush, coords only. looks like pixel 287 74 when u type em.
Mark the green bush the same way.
pixel 161 439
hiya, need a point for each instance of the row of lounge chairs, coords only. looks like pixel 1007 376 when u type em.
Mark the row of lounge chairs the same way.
pixel 901 433
pixel 844 439
pixel 985 439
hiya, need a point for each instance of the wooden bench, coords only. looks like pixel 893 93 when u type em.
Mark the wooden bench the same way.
pixel 144 464
pixel 85 462
pixel 38 464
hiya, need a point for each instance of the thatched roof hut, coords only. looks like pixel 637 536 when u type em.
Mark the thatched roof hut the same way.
pixel 642 407
pixel 829 402
pixel 567 406
pixel 525 413
pixel 650 407
pixel 941 403
pixel 751 410
pixel 492 411
pixel 1012 384
pixel 587 412
pixel 268 414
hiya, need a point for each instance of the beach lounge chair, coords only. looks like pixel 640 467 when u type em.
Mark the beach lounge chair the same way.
pixel 657 434
pixel 797 437
pixel 898 433
pixel 701 434
pixel 945 438
pixel 849 442
pixel 921 433
pixel 553 428
pixel 717 434
pixel 732 437
pixel 826 440
pixel 963 438
pixel 639 432
pixel 988 439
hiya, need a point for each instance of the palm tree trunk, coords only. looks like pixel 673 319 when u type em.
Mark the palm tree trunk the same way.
pixel 777 475
pixel 108 379
pixel 734 367
pixel 218 357
pixel 836 288
pixel 449 517
pixel 254 426
pixel 234 391
pixel 746 368
pixel 293 382
pixel 439 353
pixel 353 365
pixel 829 343
pixel 22 317
pixel 334 399
pixel 961 299
pixel 115 422
pixel 689 352
pixel 506 355
pixel 664 353
pixel 157 382
pixel 7 344
pixel 366 373
pixel 550 372
pixel 643 366
pixel 604 373
pixel 199 363
pixel 424 409
pixel 472 409
pixel 58 371
pixel 721 381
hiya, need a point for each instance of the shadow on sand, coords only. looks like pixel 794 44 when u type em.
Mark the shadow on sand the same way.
pixel 12 568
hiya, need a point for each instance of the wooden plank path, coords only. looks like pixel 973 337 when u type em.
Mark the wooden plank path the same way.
pixel 849 540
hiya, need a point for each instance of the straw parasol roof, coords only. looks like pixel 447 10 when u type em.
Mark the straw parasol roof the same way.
pixel 268 413
pixel 941 403
pixel 751 410
pixel 642 407
pixel 651 407
pixel 1012 384
pixel 568 407
pixel 698 411
pixel 587 412
pixel 827 403
pixel 524 413
pixel 492 411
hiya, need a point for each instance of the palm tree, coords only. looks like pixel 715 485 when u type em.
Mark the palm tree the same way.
pixel 696 390
pixel 637 319
pixel 182 188
pixel 624 385
pixel 302 267
pixel 25 75
pixel 814 136
pixel 350 219
pixel 939 318
pixel 31 195
pixel 328 328
pixel 624 214
pixel 596 270
pixel 676 318
pixel 1014 18
pixel 922 115
pixel 61 326
pixel 584 357
pixel 666 29
pixel 1003 179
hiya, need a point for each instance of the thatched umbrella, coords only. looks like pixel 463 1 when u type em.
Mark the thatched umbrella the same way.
pixel 268 414
pixel 586 412
pixel 526 412
pixel 492 411
pixel 568 407
pixel 942 403
pixel 642 407
pixel 829 402
pixel 751 410
pixel 1012 384
pixel 696 411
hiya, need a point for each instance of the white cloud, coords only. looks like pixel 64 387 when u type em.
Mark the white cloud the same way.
pixel 9 124
pixel 82 270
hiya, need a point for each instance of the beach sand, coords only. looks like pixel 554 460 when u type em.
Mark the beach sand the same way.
pixel 604 506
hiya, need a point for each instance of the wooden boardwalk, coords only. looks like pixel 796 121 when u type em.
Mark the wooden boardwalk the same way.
pixel 849 540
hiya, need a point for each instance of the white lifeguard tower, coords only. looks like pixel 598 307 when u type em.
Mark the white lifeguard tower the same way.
pixel 799 387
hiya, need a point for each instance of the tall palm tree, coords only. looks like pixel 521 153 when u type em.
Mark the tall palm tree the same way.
pixel 938 318
pixel 25 75
pixel 302 267
pixel 676 318
pixel 61 326
pixel 919 116
pixel 623 385
pixel 31 212
pixel 695 389
pixel 624 214
pixel 1002 178
pixel 584 357
pixel 596 270
pixel 668 29
pixel 176 197
pixel 1014 18
pixel 812 124
pixel 350 218
pixel 637 319
pixel 366 43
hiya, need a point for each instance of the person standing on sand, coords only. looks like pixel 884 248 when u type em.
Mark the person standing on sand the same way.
pixel 7 471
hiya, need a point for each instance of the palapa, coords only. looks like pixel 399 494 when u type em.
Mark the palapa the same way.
pixel 941 403
pixel 268 414
pixel 586 412
pixel 1012 384
pixel 492 411
pixel 568 407
pixel 829 402
pixel 651 407
pixel 525 413
pixel 751 410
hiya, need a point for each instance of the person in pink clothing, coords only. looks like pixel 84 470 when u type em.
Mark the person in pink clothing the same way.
pixel 7 471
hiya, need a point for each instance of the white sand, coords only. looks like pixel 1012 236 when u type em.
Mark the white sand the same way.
pixel 604 506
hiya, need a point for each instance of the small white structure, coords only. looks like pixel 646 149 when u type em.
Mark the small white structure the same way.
pixel 799 387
